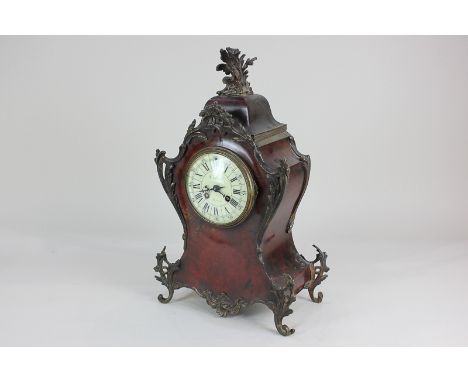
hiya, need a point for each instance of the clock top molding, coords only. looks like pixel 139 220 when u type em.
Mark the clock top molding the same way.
pixel 236 185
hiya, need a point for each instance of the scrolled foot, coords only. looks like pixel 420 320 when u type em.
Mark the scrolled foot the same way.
pixel 317 299
pixel 284 330
pixel 166 271
pixel 282 297
pixel 317 275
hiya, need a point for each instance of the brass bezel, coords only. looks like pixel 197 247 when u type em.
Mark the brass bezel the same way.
pixel 250 183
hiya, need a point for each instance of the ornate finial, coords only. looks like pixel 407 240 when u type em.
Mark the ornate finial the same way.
pixel 236 67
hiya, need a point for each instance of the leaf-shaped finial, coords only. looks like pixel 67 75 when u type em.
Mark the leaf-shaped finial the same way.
pixel 236 69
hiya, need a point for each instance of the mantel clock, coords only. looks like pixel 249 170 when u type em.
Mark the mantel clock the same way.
pixel 236 184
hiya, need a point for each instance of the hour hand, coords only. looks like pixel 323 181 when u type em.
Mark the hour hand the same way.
pixel 217 188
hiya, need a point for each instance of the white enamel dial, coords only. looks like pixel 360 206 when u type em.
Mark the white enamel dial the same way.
pixel 220 187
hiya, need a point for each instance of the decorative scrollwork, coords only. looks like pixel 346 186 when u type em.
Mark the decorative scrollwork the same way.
pixel 216 118
pixel 236 69
pixel 222 303
pixel 166 271
pixel 304 160
pixel 282 297
pixel 191 127
pixel 317 274
pixel 277 180
pixel 165 168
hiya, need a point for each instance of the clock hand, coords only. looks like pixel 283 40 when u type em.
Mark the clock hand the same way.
pixel 217 188
pixel 214 188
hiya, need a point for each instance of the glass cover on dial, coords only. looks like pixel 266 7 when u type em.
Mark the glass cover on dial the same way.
pixel 220 187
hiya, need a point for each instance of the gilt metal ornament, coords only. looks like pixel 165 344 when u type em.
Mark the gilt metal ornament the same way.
pixel 236 69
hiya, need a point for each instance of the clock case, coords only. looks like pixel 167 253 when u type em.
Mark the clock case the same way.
pixel 256 260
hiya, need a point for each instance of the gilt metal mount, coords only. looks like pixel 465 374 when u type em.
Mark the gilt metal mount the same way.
pixel 236 69
pixel 165 270
pixel 317 275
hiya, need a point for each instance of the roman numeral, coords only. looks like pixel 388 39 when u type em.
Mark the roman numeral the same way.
pixel 197 185
pixel 198 196
pixel 227 210
pixel 233 202
pixel 206 208
pixel 205 166
pixel 226 169
pixel 198 174
pixel 215 211
pixel 233 179
pixel 236 191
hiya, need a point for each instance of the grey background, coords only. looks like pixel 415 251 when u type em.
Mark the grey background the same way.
pixel 82 213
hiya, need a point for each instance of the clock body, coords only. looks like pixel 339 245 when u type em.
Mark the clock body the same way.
pixel 236 184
